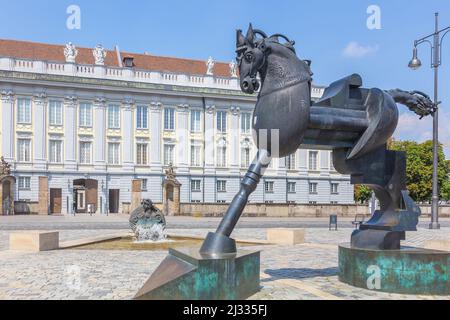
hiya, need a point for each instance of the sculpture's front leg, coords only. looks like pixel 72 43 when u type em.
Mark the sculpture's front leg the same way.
pixel 220 242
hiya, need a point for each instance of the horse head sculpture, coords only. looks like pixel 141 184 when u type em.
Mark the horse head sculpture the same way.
pixel 285 89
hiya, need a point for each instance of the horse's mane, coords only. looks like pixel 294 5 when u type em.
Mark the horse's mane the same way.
pixel 275 39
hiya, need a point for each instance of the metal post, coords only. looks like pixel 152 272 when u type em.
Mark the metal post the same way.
pixel 438 37
pixel 435 194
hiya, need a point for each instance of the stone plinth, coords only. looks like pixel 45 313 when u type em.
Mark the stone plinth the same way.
pixel 406 271
pixel 438 244
pixel 286 236
pixel 187 275
pixel 34 240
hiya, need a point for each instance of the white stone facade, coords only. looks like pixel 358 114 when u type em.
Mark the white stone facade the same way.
pixel 112 125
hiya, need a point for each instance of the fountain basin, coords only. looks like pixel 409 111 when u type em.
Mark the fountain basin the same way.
pixel 129 243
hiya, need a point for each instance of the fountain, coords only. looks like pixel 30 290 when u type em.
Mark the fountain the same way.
pixel 148 222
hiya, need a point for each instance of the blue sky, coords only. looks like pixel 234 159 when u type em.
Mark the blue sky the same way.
pixel 333 34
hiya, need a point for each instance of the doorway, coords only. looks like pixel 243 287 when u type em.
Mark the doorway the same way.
pixel 85 193
pixel 55 201
pixel 7 202
pixel 114 196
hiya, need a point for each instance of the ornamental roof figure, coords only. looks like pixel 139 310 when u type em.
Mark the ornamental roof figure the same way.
pixel 233 68
pixel 99 55
pixel 5 167
pixel 210 66
pixel 70 52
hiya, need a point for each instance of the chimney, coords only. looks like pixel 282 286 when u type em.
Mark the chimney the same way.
pixel 119 58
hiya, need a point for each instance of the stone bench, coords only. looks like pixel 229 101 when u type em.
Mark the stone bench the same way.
pixel 34 240
pixel 286 236
pixel 439 244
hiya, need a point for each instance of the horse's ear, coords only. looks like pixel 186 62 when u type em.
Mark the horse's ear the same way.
pixel 250 34
pixel 240 39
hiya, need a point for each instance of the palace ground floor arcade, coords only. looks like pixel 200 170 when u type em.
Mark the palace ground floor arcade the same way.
pixel 62 193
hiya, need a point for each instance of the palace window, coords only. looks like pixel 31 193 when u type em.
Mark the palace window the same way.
pixel 24 183
pixel 195 156
pixel 221 156
pixel 195 121
pixel 113 152
pixel 335 188
pixel 195 185
pixel 313 188
pixel 268 186
pixel 141 117
pixel 221 185
pixel 144 184
pixel 290 162
pixel 291 187
pixel 168 154
pixel 222 121
pixel 313 160
pixel 85 152
pixel 245 157
pixel 24 110
pixel 169 119
pixel 55 151
pixel 141 153
pixel 85 115
pixel 24 150
pixel 55 113
pixel 246 122
pixel 331 162
pixel 113 116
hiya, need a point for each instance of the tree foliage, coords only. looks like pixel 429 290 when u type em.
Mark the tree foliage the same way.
pixel 419 169
pixel 362 193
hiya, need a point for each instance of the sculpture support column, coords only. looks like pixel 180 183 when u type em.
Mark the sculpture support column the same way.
pixel 220 243
pixel 99 131
pixel 8 140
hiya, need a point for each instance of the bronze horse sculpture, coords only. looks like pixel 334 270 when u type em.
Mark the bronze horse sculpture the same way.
pixel 354 122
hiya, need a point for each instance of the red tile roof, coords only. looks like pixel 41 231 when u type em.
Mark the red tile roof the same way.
pixel 55 53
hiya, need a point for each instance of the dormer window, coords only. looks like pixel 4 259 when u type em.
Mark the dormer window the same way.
pixel 128 62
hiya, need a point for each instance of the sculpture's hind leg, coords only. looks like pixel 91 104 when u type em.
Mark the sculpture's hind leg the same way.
pixel 383 171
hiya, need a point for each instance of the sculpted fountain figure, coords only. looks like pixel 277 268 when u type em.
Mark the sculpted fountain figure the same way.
pixel 147 222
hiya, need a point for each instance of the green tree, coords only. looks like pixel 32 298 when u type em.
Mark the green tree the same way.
pixel 419 169
pixel 362 193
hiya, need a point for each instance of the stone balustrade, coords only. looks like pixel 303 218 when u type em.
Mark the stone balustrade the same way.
pixel 115 73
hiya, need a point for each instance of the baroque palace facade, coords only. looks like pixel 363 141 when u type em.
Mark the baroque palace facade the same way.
pixel 97 129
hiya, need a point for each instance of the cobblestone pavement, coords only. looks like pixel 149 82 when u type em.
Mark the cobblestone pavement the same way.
pixel 307 271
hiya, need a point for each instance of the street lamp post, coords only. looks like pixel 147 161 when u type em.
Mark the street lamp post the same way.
pixel 415 63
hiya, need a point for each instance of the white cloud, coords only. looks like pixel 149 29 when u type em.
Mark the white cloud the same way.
pixel 410 127
pixel 355 50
